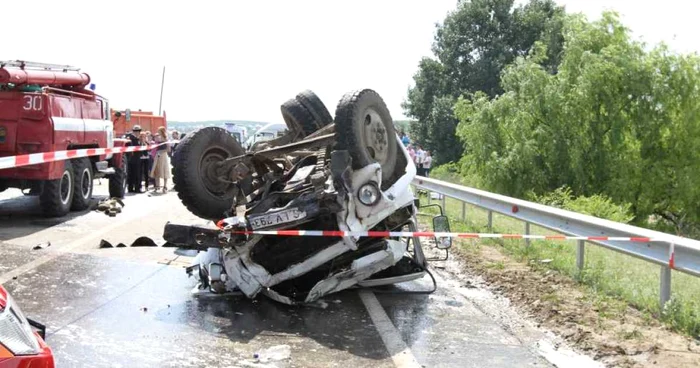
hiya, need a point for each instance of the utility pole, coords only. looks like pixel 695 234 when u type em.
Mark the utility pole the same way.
pixel 160 105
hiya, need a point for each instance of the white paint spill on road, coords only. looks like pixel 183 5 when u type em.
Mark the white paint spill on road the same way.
pixel 399 351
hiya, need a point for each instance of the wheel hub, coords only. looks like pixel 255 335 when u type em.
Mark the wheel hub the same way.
pixel 66 185
pixel 375 136
pixel 85 183
pixel 208 171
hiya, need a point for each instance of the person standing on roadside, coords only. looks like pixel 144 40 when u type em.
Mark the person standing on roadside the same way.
pixel 145 159
pixel 404 139
pixel 161 163
pixel 133 168
pixel 175 137
pixel 411 153
pixel 420 156
pixel 427 162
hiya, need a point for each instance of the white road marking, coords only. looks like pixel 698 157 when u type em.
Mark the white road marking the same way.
pixel 91 237
pixel 399 351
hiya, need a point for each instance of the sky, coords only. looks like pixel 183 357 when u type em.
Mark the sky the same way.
pixel 242 59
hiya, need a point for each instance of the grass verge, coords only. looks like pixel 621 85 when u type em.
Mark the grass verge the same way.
pixel 606 273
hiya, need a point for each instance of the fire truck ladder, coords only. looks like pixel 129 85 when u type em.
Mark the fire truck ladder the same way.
pixel 37 66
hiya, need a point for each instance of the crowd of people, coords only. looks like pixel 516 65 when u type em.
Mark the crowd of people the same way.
pixel 149 167
pixel 422 159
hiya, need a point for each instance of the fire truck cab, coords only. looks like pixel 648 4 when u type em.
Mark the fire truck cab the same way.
pixel 47 108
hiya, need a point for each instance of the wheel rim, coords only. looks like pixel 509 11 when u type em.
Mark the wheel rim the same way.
pixel 66 187
pixel 376 137
pixel 85 181
pixel 208 174
pixel 125 180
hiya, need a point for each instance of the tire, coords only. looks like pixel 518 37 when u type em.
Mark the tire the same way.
pixel 117 181
pixel 57 195
pixel 364 127
pixel 298 118
pixel 316 107
pixel 199 191
pixel 82 185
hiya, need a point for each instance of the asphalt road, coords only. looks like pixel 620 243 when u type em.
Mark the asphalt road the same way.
pixel 133 306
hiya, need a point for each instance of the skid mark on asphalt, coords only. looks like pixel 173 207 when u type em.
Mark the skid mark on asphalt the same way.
pixel 399 351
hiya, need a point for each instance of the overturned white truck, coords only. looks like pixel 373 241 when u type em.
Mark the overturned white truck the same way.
pixel 349 172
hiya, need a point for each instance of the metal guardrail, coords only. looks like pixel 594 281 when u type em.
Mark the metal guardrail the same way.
pixel 668 251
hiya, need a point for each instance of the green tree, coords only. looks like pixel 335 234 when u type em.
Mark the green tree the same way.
pixel 471 48
pixel 615 120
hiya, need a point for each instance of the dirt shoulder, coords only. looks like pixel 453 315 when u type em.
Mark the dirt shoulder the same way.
pixel 611 332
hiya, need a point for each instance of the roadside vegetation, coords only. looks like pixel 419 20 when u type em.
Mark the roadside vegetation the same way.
pixel 536 103
pixel 606 274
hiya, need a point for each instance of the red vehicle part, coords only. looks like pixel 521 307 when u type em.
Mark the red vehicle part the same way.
pixel 43 359
pixel 145 119
pixel 48 110
pixel 42 77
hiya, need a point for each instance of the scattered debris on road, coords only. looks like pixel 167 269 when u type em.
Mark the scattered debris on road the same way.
pixel 110 206
pixel 41 246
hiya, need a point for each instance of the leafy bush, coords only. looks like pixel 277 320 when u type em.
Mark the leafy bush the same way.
pixel 596 205
pixel 455 172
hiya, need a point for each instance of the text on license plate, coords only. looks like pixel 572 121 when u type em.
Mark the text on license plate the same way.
pixel 281 217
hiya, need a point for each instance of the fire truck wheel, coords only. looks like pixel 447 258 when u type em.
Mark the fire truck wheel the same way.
pixel 316 107
pixel 117 181
pixel 297 117
pixel 57 195
pixel 194 171
pixel 364 127
pixel 82 193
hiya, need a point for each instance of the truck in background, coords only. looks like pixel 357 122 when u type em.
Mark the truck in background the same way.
pixel 236 131
pixel 126 119
pixel 48 108
pixel 266 133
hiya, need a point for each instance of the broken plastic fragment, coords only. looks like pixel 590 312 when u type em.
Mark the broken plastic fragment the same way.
pixel 42 246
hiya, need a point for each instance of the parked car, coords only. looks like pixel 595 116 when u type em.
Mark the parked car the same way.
pixel 21 339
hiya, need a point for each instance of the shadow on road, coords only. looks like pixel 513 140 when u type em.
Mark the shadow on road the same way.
pixel 21 216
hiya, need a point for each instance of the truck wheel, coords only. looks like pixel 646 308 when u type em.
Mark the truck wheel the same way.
pixel 82 193
pixel 298 118
pixel 57 195
pixel 196 183
pixel 316 107
pixel 117 181
pixel 364 127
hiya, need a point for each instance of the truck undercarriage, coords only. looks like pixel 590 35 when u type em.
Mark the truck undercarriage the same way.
pixel 348 173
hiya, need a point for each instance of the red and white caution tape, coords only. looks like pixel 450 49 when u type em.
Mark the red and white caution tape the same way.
pixel 45 157
pixel 431 234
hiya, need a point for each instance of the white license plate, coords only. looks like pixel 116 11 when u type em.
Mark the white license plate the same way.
pixel 281 217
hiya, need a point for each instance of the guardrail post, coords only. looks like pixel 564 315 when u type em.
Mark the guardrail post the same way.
pixel 527 232
pixel 665 292
pixel 430 196
pixel 464 211
pixel 580 252
pixel 490 220
pixel 444 206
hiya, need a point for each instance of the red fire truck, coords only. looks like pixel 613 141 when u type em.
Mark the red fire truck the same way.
pixel 45 108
